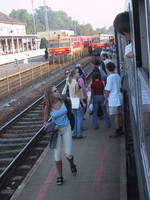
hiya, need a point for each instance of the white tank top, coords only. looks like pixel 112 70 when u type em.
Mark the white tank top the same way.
pixel 72 88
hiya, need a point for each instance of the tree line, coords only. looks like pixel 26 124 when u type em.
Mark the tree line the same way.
pixel 56 20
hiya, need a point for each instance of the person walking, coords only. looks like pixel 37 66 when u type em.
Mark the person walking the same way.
pixel 114 97
pixel 97 95
pixel 55 107
pixel 75 91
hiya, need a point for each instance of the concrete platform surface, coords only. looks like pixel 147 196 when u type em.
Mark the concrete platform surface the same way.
pixel 101 169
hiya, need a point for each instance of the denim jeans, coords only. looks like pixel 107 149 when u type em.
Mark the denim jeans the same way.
pixel 78 114
pixel 98 100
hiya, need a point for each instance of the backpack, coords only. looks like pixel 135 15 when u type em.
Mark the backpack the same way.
pixel 103 67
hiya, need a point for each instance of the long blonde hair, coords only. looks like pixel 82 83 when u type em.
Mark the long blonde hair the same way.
pixel 71 75
pixel 49 98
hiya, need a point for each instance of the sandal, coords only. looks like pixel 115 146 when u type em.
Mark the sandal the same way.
pixel 60 180
pixel 73 170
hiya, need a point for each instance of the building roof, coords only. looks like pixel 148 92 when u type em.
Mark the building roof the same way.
pixel 9 20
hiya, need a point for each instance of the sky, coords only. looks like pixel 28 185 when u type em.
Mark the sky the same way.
pixel 98 13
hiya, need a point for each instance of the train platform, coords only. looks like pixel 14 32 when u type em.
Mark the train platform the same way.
pixel 12 68
pixel 101 166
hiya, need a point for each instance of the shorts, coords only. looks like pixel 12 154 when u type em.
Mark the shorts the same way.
pixel 114 110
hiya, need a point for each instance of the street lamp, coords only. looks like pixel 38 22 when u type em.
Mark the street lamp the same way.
pixel 13 49
pixel 12 41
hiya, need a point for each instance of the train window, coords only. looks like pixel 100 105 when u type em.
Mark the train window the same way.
pixel 86 43
pixel 64 43
pixel 76 43
pixel 96 40
pixel 105 40
pixel 54 43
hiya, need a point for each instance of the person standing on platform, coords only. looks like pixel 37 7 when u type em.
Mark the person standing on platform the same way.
pixel 46 54
pixel 81 83
pixel 114 98
pixel 105 59
pixel 55 107
pixel 75 91
pixel 98 68
pixel 97 94
pixel 66 87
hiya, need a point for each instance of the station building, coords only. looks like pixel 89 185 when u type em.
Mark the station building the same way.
pixel 13 37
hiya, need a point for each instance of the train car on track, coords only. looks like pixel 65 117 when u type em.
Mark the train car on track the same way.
pixel 136 71
pixel 101 41
pixel 60 45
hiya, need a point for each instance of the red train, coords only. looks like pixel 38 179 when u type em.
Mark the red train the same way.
pixel 101 41
pixel 68 44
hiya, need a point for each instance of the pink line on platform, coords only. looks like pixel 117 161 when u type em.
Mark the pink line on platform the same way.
pixel 99 169
pixel 48 181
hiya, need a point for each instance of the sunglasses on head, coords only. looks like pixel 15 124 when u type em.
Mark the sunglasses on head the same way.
pixel 55 91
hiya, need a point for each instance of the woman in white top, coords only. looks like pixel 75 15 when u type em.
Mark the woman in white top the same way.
pixel 76 91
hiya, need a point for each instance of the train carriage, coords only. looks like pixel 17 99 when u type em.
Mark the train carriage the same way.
pixel 136 69
pixel 60 45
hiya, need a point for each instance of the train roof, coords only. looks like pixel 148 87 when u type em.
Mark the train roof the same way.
pixel 67 37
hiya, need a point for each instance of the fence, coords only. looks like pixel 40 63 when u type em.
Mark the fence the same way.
pixel 11 83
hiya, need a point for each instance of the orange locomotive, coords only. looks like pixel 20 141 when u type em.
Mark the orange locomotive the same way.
pixel 101 41
pixel 68 44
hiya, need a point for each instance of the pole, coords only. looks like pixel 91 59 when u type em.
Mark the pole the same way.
pixel 45 15
pixel 34 25
pixel 13 49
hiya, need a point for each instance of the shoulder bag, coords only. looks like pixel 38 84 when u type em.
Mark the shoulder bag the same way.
pixel 75 101
pixel 69 113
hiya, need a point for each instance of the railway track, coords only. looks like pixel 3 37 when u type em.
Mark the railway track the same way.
pixel 22 141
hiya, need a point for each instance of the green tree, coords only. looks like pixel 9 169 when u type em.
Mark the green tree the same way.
pixel 44 43
pixel 23 16
pixel 85 29
pixel 111 30
pixel 56 20
pixel 102 30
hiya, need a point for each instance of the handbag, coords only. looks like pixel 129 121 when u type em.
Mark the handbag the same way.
pixel 53 139
pixel 75 101
pixel 69 113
